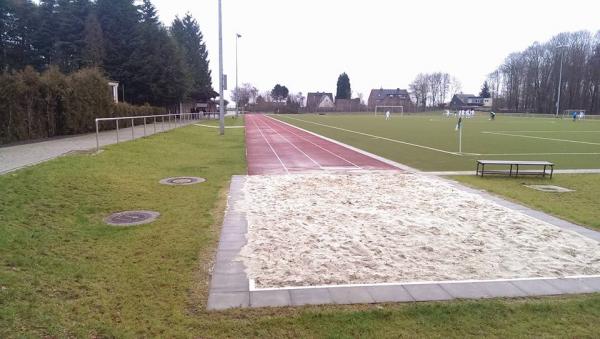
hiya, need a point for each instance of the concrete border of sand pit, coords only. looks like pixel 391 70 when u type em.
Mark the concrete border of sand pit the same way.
pixel 231 288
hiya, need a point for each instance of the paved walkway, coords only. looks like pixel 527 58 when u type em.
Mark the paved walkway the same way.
pixel 15 157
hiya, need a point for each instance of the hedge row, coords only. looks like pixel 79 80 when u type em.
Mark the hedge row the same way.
pixel 35 106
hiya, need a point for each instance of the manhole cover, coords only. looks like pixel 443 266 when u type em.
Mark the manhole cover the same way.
pixel 131 218
pixel 549 188
pixel 177 181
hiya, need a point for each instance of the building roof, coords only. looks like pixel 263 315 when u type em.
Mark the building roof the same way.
pixel 315 98
pixel 463 97
pixel 382 93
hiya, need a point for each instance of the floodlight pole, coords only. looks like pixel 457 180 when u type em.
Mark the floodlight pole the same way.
pixel 237 99
pixel 221 101
pixel 559 79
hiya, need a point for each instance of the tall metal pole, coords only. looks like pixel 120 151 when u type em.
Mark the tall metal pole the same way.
pixel 236 75
pixel 559 80
pixel 221 100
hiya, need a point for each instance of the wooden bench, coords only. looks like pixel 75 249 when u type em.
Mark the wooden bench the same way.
pixel 515 166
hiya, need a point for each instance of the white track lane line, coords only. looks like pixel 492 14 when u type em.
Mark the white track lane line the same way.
pixel 378 137
pixel 271 147
pixel 289 129
pixel 542 138
pixel 296 147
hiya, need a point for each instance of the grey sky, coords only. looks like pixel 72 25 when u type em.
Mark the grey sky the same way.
pixel 306 44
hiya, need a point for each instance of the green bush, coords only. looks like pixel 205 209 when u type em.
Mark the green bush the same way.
pixel 36 106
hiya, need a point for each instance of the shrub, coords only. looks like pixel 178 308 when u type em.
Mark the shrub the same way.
pixel 35 106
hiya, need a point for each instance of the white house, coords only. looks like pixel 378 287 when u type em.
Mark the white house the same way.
pixel 114 86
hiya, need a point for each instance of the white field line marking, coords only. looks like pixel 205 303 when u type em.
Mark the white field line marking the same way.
pixel 598 153
pixel 356 149
pixel 271 147
pixel 552 139
pixel 253 287
pixel 378 137
pixel 540 132
pixel 209 126
pixel 289 129
pixel 296 147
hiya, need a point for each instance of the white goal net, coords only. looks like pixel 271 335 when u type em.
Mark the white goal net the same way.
pixel 380 110
pixel 579 113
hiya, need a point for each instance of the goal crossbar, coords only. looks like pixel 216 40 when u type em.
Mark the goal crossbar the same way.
pixel 392 109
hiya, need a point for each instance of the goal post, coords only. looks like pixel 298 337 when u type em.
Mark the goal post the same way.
pixel 380 110
pixel 568 113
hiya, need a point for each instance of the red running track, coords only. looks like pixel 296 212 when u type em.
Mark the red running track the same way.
pixel 273 147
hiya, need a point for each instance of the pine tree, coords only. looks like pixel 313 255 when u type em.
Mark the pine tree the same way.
pixel 119 21
pixel 93 51
pixel 4 17
pixel 20 23
pixel 158 73
pixel 189 38
pixel 485 91
pixel 45 35
pixel 343 87
pixel 69 31
pixel 148 13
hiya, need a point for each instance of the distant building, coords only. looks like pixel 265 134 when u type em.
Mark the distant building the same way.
pixel 467 101
pixel 348 105
pixel 210 104
pixel 389 97
pixel 319 102
pixel 114 88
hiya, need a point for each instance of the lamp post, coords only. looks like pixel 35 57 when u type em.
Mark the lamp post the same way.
pixel 559 78
pixel 237 99
pixel 221 101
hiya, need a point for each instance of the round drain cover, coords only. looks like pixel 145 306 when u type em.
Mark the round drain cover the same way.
pixel 549 188
pixel 179 181
pixel 131 218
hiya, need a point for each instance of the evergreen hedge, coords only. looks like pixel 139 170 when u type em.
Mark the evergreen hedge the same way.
pixel 35 106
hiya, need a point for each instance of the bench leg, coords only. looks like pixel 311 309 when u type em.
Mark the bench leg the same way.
pixel 510 173
pixel 544 174
pixel 551 171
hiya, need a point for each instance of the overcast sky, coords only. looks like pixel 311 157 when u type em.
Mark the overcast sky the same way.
pixel 306 44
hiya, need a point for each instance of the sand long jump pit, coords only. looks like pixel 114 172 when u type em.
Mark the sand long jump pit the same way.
pixel 381 236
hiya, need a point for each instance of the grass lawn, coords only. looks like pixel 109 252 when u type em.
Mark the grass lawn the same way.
pixel 429 142
pixel 63 273
pixel 580 207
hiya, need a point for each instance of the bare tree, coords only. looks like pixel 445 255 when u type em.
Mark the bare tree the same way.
pixel 435 83
pixel 444 86
pixel 431 90
pixel 244 94
pixel 455 86
pixel 529 80
pixel 420 87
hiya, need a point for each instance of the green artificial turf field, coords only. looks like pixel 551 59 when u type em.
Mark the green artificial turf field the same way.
pixel 429 142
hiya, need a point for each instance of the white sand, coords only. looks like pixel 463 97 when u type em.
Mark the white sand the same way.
pixel 376 227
